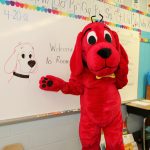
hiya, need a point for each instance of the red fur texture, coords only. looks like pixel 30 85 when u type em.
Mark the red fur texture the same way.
pixel 97 52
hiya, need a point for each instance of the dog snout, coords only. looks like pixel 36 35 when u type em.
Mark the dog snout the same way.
pixel 104 53
pixel 31 63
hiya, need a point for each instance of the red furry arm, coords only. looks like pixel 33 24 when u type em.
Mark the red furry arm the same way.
pixel 122 71
pixel 52 83
pixel 73 87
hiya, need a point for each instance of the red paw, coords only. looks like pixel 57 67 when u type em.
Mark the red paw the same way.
pixel 50 83
pixel 45 83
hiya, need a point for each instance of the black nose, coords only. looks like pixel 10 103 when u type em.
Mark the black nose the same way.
pixel 104 52
pixel 31 63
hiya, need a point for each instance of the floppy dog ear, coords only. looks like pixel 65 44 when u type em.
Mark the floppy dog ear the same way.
pixel 76 64
pixel 123 54
pixel 122 70
pixel 115 35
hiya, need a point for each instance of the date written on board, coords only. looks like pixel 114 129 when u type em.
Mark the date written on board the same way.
pixel 15 15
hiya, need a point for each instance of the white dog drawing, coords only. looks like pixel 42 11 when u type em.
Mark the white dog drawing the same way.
pixel 22 62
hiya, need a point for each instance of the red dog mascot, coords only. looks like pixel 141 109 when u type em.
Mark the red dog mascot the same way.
pixel 99 67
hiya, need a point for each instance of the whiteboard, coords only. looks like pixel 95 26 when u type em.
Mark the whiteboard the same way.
pixel 130 41
pixel 50 40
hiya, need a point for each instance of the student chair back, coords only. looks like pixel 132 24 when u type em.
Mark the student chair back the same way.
pixel 14 147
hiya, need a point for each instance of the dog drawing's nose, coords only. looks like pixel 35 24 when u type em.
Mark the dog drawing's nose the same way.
pixel 31 63
pixel 104 53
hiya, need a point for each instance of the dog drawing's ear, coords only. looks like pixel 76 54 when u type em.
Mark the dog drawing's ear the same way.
pixel 76 64
pixel 11 63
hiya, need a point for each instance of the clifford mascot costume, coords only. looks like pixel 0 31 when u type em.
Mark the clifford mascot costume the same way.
pixel 99 67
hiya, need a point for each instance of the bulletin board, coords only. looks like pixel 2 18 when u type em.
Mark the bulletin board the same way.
pixel 48 40
pixel 144 65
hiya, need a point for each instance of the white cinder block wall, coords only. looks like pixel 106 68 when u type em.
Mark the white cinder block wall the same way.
pixel 59 133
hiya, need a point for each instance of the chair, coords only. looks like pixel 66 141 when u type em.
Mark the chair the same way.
pixel 16 146
pixel 147 118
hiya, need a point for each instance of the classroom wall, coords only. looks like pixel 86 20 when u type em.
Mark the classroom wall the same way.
pixel 144 65
pixel 60 133
pixel 135 122
pixel 46 134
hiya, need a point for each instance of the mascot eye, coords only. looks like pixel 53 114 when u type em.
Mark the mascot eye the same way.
pixel 91 38
pixel 107 36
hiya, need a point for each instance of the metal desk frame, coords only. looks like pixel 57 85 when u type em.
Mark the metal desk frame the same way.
pixel 142 111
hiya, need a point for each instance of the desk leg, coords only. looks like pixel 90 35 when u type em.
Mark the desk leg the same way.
pixel 144 133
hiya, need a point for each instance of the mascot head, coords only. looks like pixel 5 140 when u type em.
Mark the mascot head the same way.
pixel 98 49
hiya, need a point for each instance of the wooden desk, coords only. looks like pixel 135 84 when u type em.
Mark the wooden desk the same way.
pixel 139 110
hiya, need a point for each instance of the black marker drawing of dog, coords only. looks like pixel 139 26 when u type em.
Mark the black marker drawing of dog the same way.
pixel 22 62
